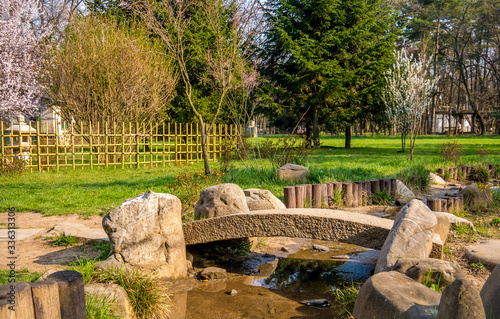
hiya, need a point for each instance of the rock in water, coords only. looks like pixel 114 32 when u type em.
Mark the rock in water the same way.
pixel 461 300
pixel 316 302
pixel 146 232
pixel 320 248
pixel 410 235
pixel 221 200
pixel 213 273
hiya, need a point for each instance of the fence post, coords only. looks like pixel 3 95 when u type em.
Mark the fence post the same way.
pixel 38 148
pixel 106 144
pixel 136 144
pixel 175 136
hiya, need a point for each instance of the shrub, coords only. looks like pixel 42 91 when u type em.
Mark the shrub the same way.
pixel 451 152
pixel 148 298
pixel 480 174
pixel 99 307
pixel 344 300
pixel 415 177
pixel 12 165
pixel 382 198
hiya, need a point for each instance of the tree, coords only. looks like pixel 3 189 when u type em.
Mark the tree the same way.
pixel 408 94
pixel 21 46
pixel 206 36
pixel 327 58
pixel 107 71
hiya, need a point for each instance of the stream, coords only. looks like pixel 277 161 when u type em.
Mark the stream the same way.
pixel 273 281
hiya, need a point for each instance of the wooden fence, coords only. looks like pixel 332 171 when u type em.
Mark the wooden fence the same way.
pixel 79 145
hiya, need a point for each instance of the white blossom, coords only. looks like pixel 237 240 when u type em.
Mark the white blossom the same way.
pixel 20 51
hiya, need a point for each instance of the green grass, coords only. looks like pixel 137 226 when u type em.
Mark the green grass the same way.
pixel 64 240
pixel 99 308
pixel 96 192
pixel 21 275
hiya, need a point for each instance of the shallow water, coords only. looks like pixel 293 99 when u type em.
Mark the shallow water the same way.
pixel 277 285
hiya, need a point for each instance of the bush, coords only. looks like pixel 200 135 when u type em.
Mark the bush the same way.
pixel 99 307
pixel 451 152
pixel 148 298
pixel 344 300
pixel 415 177
pixel 479 174
pixel 382 198
pixel 14 165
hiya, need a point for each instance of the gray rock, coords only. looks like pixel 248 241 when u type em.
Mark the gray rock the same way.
pixel 259 199
pixel 410 236
pixel 320 247
pixel 401 202
pixel 436 179
pixel 487 251
pixel 221 200
pixel 316 302
pixel 113 292
pixel 293 173
pixel 146 232
pixel 213 273
pixel 474 197
pixel 431 270
pixel 393 295
pixel 402 191
pixel 461 300
pixel 458 220
pixel 490 294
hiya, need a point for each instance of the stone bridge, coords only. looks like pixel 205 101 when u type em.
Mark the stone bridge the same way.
pixel 324 224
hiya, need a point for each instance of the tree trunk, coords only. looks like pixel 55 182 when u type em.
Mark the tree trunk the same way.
pixel 204 149
pixel 348 137
pixel 315 128
pixel 403 142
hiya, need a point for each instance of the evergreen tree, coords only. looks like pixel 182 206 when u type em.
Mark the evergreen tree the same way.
pixel 326 58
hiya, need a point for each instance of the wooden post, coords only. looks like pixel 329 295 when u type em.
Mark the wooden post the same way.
pixel 324 196
pixel 369 193
pixel 308 189
pixel 388 186
pixel 458 203
pixel 394 188
pixel 46 300
pixel 331 194
pixel 317 196
pixel 23 301
pixel 348 196
pixel 450 205
pixel 375 186
pixel 289 196
pixel 71 293
pixel 300 196
pixel 431 203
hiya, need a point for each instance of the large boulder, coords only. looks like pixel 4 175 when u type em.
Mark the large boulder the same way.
pixel 260 199
pixel 293 173
pixel 115 293
pixel 436 179
pixel 429 270
pixel 461 300
pixel 393 295
pixel 146 232
pixel 402 191
pixel 221 200
pixel 490 294
pixel 410 236
pixel 474 197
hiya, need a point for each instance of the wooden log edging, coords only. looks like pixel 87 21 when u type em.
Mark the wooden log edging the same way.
pixel 328 195
pixel 448 204
pixel 465 171
pixel 60 296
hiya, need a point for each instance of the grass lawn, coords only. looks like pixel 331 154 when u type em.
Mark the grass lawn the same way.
pixel 98 191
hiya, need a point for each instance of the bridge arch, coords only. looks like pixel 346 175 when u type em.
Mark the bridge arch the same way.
pixel 324 224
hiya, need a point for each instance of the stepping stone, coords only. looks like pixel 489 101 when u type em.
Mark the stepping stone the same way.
pixel 484 251
pixel 21 234
pixel 77 230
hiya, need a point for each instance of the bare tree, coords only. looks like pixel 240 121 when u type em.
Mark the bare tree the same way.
pixel 218 52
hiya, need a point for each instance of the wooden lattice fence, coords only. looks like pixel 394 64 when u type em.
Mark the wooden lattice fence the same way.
pixel 79 145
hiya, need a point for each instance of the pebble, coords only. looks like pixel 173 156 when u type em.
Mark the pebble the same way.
pixel 316 302
pixel 233 292
pixel 320 247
